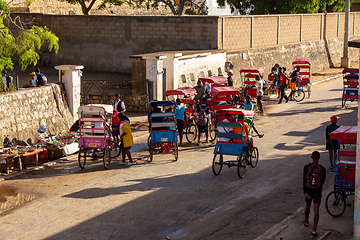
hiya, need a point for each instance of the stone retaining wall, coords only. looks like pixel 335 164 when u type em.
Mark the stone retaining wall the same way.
pixel 22 111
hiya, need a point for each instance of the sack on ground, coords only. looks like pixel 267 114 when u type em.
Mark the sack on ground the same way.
pixel 314 177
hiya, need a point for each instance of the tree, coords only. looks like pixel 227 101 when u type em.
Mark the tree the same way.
pixel 25 44
pixel 176 6
pixel 284 6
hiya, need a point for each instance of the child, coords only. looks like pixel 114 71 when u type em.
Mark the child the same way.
pixel 126 138
pixel 115 121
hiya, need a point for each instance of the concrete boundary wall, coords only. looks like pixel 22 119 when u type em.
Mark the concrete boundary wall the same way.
pixel 104 43
pixel 22 111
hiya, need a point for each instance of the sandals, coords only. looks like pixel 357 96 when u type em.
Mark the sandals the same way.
pixel 305 224
pixel 314 234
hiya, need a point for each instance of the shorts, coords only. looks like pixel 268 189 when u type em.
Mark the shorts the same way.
pixel 115 130
pixel 122 145
pixel 180 125
pixel 315 196
pixel 202 129
pixel 293 86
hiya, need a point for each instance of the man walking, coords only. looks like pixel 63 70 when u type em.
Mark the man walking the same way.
pixel 331 145
pixel 313 179
pixel 283 85
pixel 200 91
pixel 294 77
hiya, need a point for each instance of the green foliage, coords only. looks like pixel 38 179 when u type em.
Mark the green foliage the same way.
pixel 285 6
pixel 26 44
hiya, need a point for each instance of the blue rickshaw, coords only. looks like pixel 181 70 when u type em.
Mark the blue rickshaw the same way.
pixel 227 145
pixel 162 128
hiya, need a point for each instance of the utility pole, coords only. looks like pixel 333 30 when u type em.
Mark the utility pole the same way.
pixel 345 60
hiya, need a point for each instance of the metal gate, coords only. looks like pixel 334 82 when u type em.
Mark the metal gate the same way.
pixel 135 94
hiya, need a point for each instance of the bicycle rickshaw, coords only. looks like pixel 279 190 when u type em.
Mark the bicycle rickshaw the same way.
pixel 187 97
pixel 248 78
pixel 220 95
pixel 231 146
pixel 95 134
pixel 351 85
pixel 162 127
pixel 216 81
pixel 303 83
pixel 345 165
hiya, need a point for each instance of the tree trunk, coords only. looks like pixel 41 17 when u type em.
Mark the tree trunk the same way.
pixel 83 7
pixel 171 6
pixel 181 6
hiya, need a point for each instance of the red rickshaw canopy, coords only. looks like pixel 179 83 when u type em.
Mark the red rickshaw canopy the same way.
pixel 216 80
pixel 258 70
pixel 185 91
pixel 222 91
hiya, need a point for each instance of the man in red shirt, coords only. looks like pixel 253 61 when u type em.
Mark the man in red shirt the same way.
pixel 283 85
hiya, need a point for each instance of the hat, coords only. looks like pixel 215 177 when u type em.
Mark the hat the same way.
pixel 333 119
pixel 42 128
pixel 33 74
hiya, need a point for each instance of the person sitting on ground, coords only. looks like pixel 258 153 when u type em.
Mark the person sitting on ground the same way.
pixel 41 80
pixel 126 138
pixel 32 80
pixel 200 91
pixel 248 105
pixel 41 136
pixel 202 120
pixel 226 129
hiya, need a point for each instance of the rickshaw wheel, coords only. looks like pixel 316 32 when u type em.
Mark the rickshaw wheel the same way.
pixel 151 150
pixel 217 163
pixel 176 150
pixel 148 141
pixel 299 95
pixel 115 149
pixel 82 157
pixel 254 157
pixel 343 102
pixel 212 131
pixel 241 166
pixel 335 204
pixel 191 133
pixel 107 157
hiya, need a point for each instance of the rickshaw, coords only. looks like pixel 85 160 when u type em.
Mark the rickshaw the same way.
pixel 162 127
pixel 187 97
pixel 304 78
pixel 351 85
pixel 220 95
pixel 345 165
pixel 95 134
pixel 231 146
pixel 216 81
pixel 248 79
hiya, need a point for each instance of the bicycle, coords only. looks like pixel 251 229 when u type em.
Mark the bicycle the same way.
pixel 336 200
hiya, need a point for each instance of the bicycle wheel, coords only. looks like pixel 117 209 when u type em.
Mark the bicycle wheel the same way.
pixel 176 150
pixel 254 157
pixel 191 133
pixel 149 140
pixel 107 157
pixel 299 95
pixel 217 163
pixel 212 131
pixel 241 166
pixel 115 149
pixel 151 151
pixel 335 204
pixel 82 157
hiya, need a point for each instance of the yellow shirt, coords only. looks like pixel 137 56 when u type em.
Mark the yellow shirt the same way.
pixel 127 138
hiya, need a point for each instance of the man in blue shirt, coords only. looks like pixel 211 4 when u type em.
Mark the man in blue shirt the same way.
pixel 180 116
pixel 248 105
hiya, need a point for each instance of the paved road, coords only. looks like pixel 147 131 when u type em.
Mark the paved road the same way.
pixel 184 200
